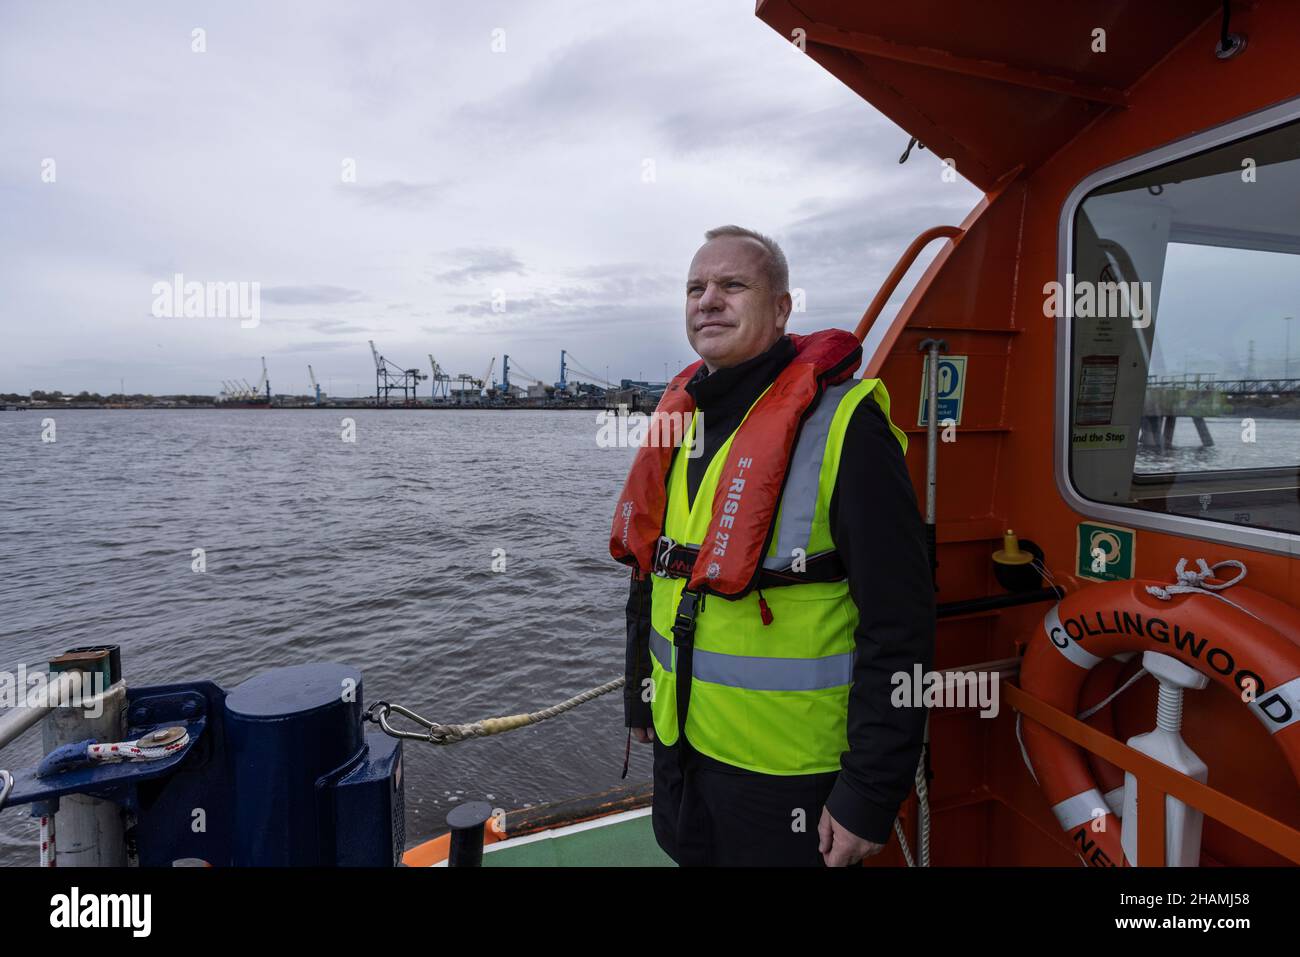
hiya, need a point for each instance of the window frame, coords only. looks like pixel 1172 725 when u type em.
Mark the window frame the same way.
pixel 1259 539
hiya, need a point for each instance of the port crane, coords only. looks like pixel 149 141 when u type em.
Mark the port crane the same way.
pixel 567 362
pixel 239 390
pixel 441 380
pixel 389 378
pixel 314 387
pixel 520 373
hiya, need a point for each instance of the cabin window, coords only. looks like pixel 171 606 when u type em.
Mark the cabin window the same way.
pixel 1183 300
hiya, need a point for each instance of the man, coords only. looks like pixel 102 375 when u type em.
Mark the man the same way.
pixel 780 578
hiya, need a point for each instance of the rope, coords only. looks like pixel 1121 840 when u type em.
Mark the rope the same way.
pixel 1198 583
pixel 922 814
pixel 48 855
pixel 453 733
pixel 132 751
pixel 902 843
pixel 83 753
pixel 1112 696
pixel 1038 564
pixel 1024 753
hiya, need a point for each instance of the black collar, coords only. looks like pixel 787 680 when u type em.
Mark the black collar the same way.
pixel 739 385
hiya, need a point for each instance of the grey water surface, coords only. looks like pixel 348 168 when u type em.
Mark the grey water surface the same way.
pixel 377 553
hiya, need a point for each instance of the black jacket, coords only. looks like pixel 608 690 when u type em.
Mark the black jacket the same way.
pixel 880 537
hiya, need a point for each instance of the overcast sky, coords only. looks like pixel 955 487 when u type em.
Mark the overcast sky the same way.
pixel 525 170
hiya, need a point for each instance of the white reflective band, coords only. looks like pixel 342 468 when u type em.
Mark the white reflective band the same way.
pixel 1057 634
pixel 1080 809
pixel 1278 707
pixel 803 481
pixel 757 673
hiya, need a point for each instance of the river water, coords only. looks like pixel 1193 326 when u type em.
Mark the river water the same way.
pixel 377 553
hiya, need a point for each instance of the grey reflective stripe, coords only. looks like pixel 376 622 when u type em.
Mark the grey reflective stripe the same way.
pixel 799 500
pixel 761 674
pixel 662 649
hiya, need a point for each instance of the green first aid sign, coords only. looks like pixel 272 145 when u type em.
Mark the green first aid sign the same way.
pixel 1105 552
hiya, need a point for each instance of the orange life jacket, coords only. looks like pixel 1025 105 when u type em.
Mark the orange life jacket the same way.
pixel 749 489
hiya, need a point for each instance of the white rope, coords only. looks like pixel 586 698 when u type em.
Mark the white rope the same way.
pixel 902 843
pixel 454 733
pixel 131 750
pixel 1023 752
pixel 1112 696
pixel 47 840
pixel 1042 567
pixel 1198 583
pixel 922 814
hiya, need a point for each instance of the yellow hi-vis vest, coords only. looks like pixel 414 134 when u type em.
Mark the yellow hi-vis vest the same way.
pixel 771 698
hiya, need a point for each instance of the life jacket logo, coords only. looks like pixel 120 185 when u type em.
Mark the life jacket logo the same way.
pixel 730 508
pixel 627 520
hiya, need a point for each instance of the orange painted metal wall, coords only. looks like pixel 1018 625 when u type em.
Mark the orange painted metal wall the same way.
pixel 985 298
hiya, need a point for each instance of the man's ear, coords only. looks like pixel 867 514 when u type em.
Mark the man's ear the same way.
pixel 784 304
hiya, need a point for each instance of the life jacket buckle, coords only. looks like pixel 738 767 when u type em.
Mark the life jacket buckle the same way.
pixel 663 548
pixel 688 609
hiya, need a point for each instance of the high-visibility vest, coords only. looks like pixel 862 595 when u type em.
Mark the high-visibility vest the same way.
pixel 773 697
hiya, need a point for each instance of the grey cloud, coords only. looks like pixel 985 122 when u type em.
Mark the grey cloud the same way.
pixel 311 295
pixel 315 345
pixel 337 327
pixel 481 263
pixel 395 193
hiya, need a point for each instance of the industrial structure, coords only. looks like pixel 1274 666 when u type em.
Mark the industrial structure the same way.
pixel 238 393
pixel 390 378
pixel 441 380
pixel 576 387
pixel 316 392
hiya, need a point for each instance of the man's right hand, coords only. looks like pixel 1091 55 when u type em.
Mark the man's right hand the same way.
pixel 643 735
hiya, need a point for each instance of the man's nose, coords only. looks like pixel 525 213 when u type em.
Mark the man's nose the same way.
pixel 712 299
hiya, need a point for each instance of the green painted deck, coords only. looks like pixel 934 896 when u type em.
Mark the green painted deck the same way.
pixel 620 840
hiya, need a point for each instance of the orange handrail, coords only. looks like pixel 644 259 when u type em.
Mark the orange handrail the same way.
pixel 1155 781
pixel 900 269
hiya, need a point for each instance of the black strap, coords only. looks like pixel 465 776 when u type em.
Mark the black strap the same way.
pixel 678 561
pixel 688 609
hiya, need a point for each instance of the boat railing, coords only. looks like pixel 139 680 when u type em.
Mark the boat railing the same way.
pixel 1155 781
pixel 899 271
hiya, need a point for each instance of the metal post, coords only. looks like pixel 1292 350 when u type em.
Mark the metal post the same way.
pixel 466 822
pixel 932 448
pixel 91 831
pixel 933 346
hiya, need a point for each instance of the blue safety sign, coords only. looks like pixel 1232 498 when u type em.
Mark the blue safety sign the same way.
pixel 952 388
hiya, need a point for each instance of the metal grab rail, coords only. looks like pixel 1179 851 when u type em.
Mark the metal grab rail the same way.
pixel 60 689
pixel 1155 781
pixel 900 269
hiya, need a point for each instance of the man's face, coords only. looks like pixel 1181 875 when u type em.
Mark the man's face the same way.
pixel 732 313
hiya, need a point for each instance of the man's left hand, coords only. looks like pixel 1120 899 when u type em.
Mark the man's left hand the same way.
pixel 839 846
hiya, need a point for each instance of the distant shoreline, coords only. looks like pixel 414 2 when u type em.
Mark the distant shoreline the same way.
pixel 307 408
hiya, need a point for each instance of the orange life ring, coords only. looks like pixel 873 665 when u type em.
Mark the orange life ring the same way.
pixel 1101 682
pixel 1244 641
